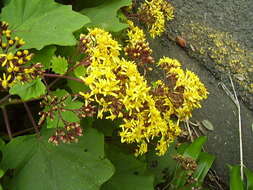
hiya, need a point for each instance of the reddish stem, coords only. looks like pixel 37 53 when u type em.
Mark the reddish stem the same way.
pixel 62 76
pixel 31 119
pixel 7 123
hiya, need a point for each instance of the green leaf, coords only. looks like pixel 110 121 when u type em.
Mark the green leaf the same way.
pixel 106 126
pixel 192 151
pixel 131 174
pixel 105 15
pixel 2 144
pixel 80 4
pixel 75 86
pixel 162 166
pixel 67 115
pixel 205 162
pixel 44 56
pixel 195 147
pixel 179 178
pixel 43 166
pixel 42 22
pixel 59 65
pixel 235 178
pixel 29 90
pixel 1 173
pixel 80 71
pixel 249 176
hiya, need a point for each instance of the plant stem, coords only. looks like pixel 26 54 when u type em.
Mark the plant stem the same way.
pixel 237 103
pixel 62 76
pixel 189 130
pixel 7 123
pixel 23 131
pixel 235 100
pixel 69 70
pixel 31 119
pixel 4 98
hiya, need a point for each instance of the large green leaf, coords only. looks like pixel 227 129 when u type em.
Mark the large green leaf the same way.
pixel 29 90
pixel 42 22
pixel 43 166
pixel 105 15
pixel 80 4
pixel 130 173
pixel 235 178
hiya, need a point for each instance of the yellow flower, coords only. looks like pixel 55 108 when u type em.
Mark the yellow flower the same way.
pixel 122 92
pixel 5 81
pixel 156 12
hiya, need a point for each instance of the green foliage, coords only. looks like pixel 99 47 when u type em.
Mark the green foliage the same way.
pixel 43 166
pixel 236 182
pixel 76 87
pixel 204 163
pixel 235 178
pixel 105 15
pixel 249 175
pixel 194 149
pixel 29 90
pixel 42 22
pixel 130 173
pixel 48 28
pixel 162 166
pixel 44 56
pixel 59 64
pixel 80 71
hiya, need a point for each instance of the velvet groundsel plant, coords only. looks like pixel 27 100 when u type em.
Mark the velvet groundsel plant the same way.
pixel 79 108
pixel 121 92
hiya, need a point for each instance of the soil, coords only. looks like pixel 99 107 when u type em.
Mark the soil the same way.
pixel 219 43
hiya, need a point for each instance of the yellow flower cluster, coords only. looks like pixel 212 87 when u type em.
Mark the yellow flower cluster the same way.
pixel 154 13
pixel 135 34
pixel 185 89
pixel 14 65
pixel 121 92
pixel 137 46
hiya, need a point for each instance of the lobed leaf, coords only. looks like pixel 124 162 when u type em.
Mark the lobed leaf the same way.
pixel 42 22
pixel 28 90
pixel 105 15
pixel 43 166
pixel 59 65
